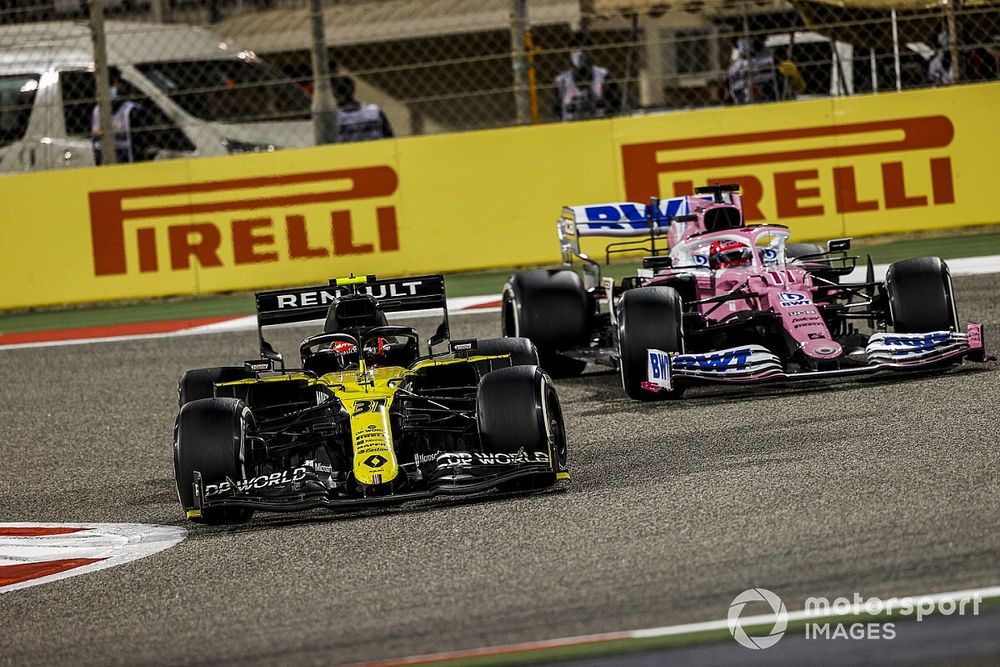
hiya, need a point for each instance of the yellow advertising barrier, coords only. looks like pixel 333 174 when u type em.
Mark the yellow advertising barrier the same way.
pixel 833 167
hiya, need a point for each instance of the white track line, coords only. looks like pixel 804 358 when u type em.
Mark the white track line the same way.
pixel 810 614
pixel 459 306
pixel 670 630
pixel 462 305
pixel 963 266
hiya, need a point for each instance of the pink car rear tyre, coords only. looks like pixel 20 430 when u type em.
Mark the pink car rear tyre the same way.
pixel 554 311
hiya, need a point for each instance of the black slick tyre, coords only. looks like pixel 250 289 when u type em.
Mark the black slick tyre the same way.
pixel 521 350
pixel 200 382
pixel 920 296
pixel 648 318
pixel 210 438
pixel 552 309
pixel 518 409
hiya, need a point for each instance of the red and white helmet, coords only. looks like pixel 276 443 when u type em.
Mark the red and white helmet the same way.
pixel 346 353
pixel 727 253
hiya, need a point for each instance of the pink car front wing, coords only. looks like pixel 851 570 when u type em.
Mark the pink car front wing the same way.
pixel 755 363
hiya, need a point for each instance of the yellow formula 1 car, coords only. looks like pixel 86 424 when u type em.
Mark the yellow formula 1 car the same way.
pixel 368 419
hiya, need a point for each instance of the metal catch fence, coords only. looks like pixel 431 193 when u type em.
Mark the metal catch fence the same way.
pixel 183 77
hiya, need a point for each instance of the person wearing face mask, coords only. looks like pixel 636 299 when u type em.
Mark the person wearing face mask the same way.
pixel 357 121
pixel 939 71
pixel 752 74
pixel 129 121
pixel 585 90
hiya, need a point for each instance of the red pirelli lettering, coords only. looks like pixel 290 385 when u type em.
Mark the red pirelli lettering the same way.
pixel 247 240
pixel 845 190
pixel 201 241
pixel 643 164
pixel 108 215
pixel 789 192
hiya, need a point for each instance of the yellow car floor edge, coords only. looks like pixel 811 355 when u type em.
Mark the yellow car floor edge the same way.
pixel 371 417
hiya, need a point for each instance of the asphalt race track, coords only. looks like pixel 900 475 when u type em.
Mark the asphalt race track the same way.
pixel 881 486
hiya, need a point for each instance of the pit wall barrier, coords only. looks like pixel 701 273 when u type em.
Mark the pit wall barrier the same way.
pixel 854 166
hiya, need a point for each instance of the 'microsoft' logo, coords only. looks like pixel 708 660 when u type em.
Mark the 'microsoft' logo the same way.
pixel 243 221
pixel 736 627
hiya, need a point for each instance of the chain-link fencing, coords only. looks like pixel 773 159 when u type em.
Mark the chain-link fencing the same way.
pixel 229 76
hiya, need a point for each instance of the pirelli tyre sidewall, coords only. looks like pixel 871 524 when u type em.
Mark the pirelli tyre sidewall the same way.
pixel 648 318
pixel 553 310
pixel 200 382
pixel 517 409
pixel 521 350
pixel 210 437
pixel 920 296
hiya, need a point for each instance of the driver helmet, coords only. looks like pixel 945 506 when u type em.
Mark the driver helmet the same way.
pixel 726 254
pixel 376 350
pixel 345 353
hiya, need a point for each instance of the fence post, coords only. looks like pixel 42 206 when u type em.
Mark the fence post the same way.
pixel 949 8
pixel 103 89
pixel 159 11
pixel 324 106
pixel 630 59
pixel 529 44
pixel 748 76
pixel 895 50
pixel 519 61
pixel 871 60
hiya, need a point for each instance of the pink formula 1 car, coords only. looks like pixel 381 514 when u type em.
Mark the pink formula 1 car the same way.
pixel 729 302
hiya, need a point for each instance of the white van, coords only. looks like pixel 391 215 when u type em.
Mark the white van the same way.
pixel 203 95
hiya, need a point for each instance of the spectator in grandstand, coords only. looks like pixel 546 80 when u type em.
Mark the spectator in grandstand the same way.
pixel 134 142
pixel 356 121
pixel 939 69
pixel 983 63
pixel 585 90
pixel 752 74
pixel 738 73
